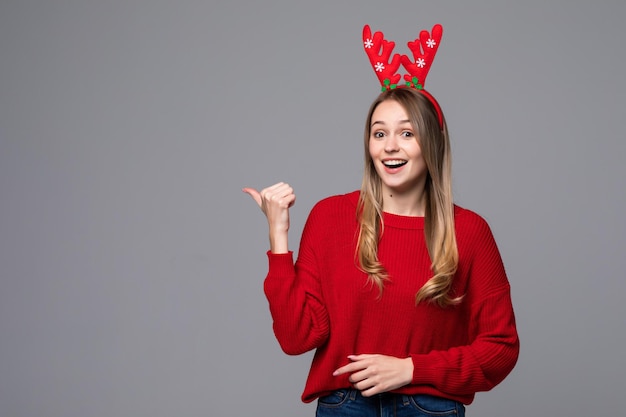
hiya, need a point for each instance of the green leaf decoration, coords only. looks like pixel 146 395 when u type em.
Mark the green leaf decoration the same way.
pixel 387 85
pixel 416 83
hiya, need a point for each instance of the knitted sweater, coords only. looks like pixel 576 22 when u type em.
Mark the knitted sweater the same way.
pixel 325 302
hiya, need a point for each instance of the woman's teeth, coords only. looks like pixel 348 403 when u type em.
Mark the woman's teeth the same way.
pixel 396 163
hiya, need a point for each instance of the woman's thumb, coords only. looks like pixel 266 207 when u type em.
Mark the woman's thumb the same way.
pixel 254 194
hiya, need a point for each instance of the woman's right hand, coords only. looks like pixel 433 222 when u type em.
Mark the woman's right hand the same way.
pixel 274 202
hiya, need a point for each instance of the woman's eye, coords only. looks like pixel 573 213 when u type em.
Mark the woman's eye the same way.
pixel 378 134
pixel 407 134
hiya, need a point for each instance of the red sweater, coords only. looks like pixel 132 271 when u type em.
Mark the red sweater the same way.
pixel 325 302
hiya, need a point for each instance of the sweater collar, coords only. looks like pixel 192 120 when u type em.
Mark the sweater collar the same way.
pixel 402 222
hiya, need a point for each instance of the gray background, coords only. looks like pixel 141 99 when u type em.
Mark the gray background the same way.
pixel 131 264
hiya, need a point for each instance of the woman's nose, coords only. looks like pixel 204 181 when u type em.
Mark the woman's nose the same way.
pixel 391 144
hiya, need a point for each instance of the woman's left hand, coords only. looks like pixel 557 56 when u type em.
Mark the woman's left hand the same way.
pixel 373 374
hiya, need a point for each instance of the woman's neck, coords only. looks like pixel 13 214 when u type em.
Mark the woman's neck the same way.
pixel 411 203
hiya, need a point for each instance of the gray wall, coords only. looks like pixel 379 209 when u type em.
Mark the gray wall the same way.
pixel 131 264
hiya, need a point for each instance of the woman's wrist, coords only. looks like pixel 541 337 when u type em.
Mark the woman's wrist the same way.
pixel 279 243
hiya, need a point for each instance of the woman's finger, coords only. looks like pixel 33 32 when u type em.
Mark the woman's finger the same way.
pixel 254 194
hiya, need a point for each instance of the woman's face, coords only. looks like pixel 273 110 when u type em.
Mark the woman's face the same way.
pixel 394 149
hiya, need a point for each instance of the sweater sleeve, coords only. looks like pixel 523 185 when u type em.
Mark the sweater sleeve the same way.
pixel 300 318
pixel 494 345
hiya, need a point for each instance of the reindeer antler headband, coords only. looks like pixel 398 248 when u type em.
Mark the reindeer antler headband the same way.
pixel 424 48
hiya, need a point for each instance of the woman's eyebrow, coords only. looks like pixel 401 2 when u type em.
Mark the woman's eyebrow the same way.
pixel 382 123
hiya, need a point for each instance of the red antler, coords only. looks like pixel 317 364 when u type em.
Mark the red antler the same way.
pixel 378 51
pixel 424 49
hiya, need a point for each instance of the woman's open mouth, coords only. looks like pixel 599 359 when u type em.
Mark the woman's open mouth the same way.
pixel 394 163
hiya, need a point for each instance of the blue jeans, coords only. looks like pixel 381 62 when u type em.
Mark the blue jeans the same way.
pixel 350 403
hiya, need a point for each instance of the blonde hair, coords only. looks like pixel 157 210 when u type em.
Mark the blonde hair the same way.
pixel 439 211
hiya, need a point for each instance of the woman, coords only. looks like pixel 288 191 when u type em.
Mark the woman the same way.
pixel 402 294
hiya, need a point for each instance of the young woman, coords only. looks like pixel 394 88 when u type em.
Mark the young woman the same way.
pixel 402 294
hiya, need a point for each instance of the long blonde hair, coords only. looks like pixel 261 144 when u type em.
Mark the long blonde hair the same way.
pixel 439 214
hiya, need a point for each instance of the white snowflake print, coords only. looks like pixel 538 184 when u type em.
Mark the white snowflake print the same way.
pixel 420 62
pixel 431 43
pixel 379 67
pixel 369 43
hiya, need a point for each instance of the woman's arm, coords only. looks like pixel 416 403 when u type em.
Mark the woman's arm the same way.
pixel 493 347
pixel 300 318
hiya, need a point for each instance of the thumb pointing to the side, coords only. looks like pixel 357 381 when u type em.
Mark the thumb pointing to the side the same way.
pixel 254 194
